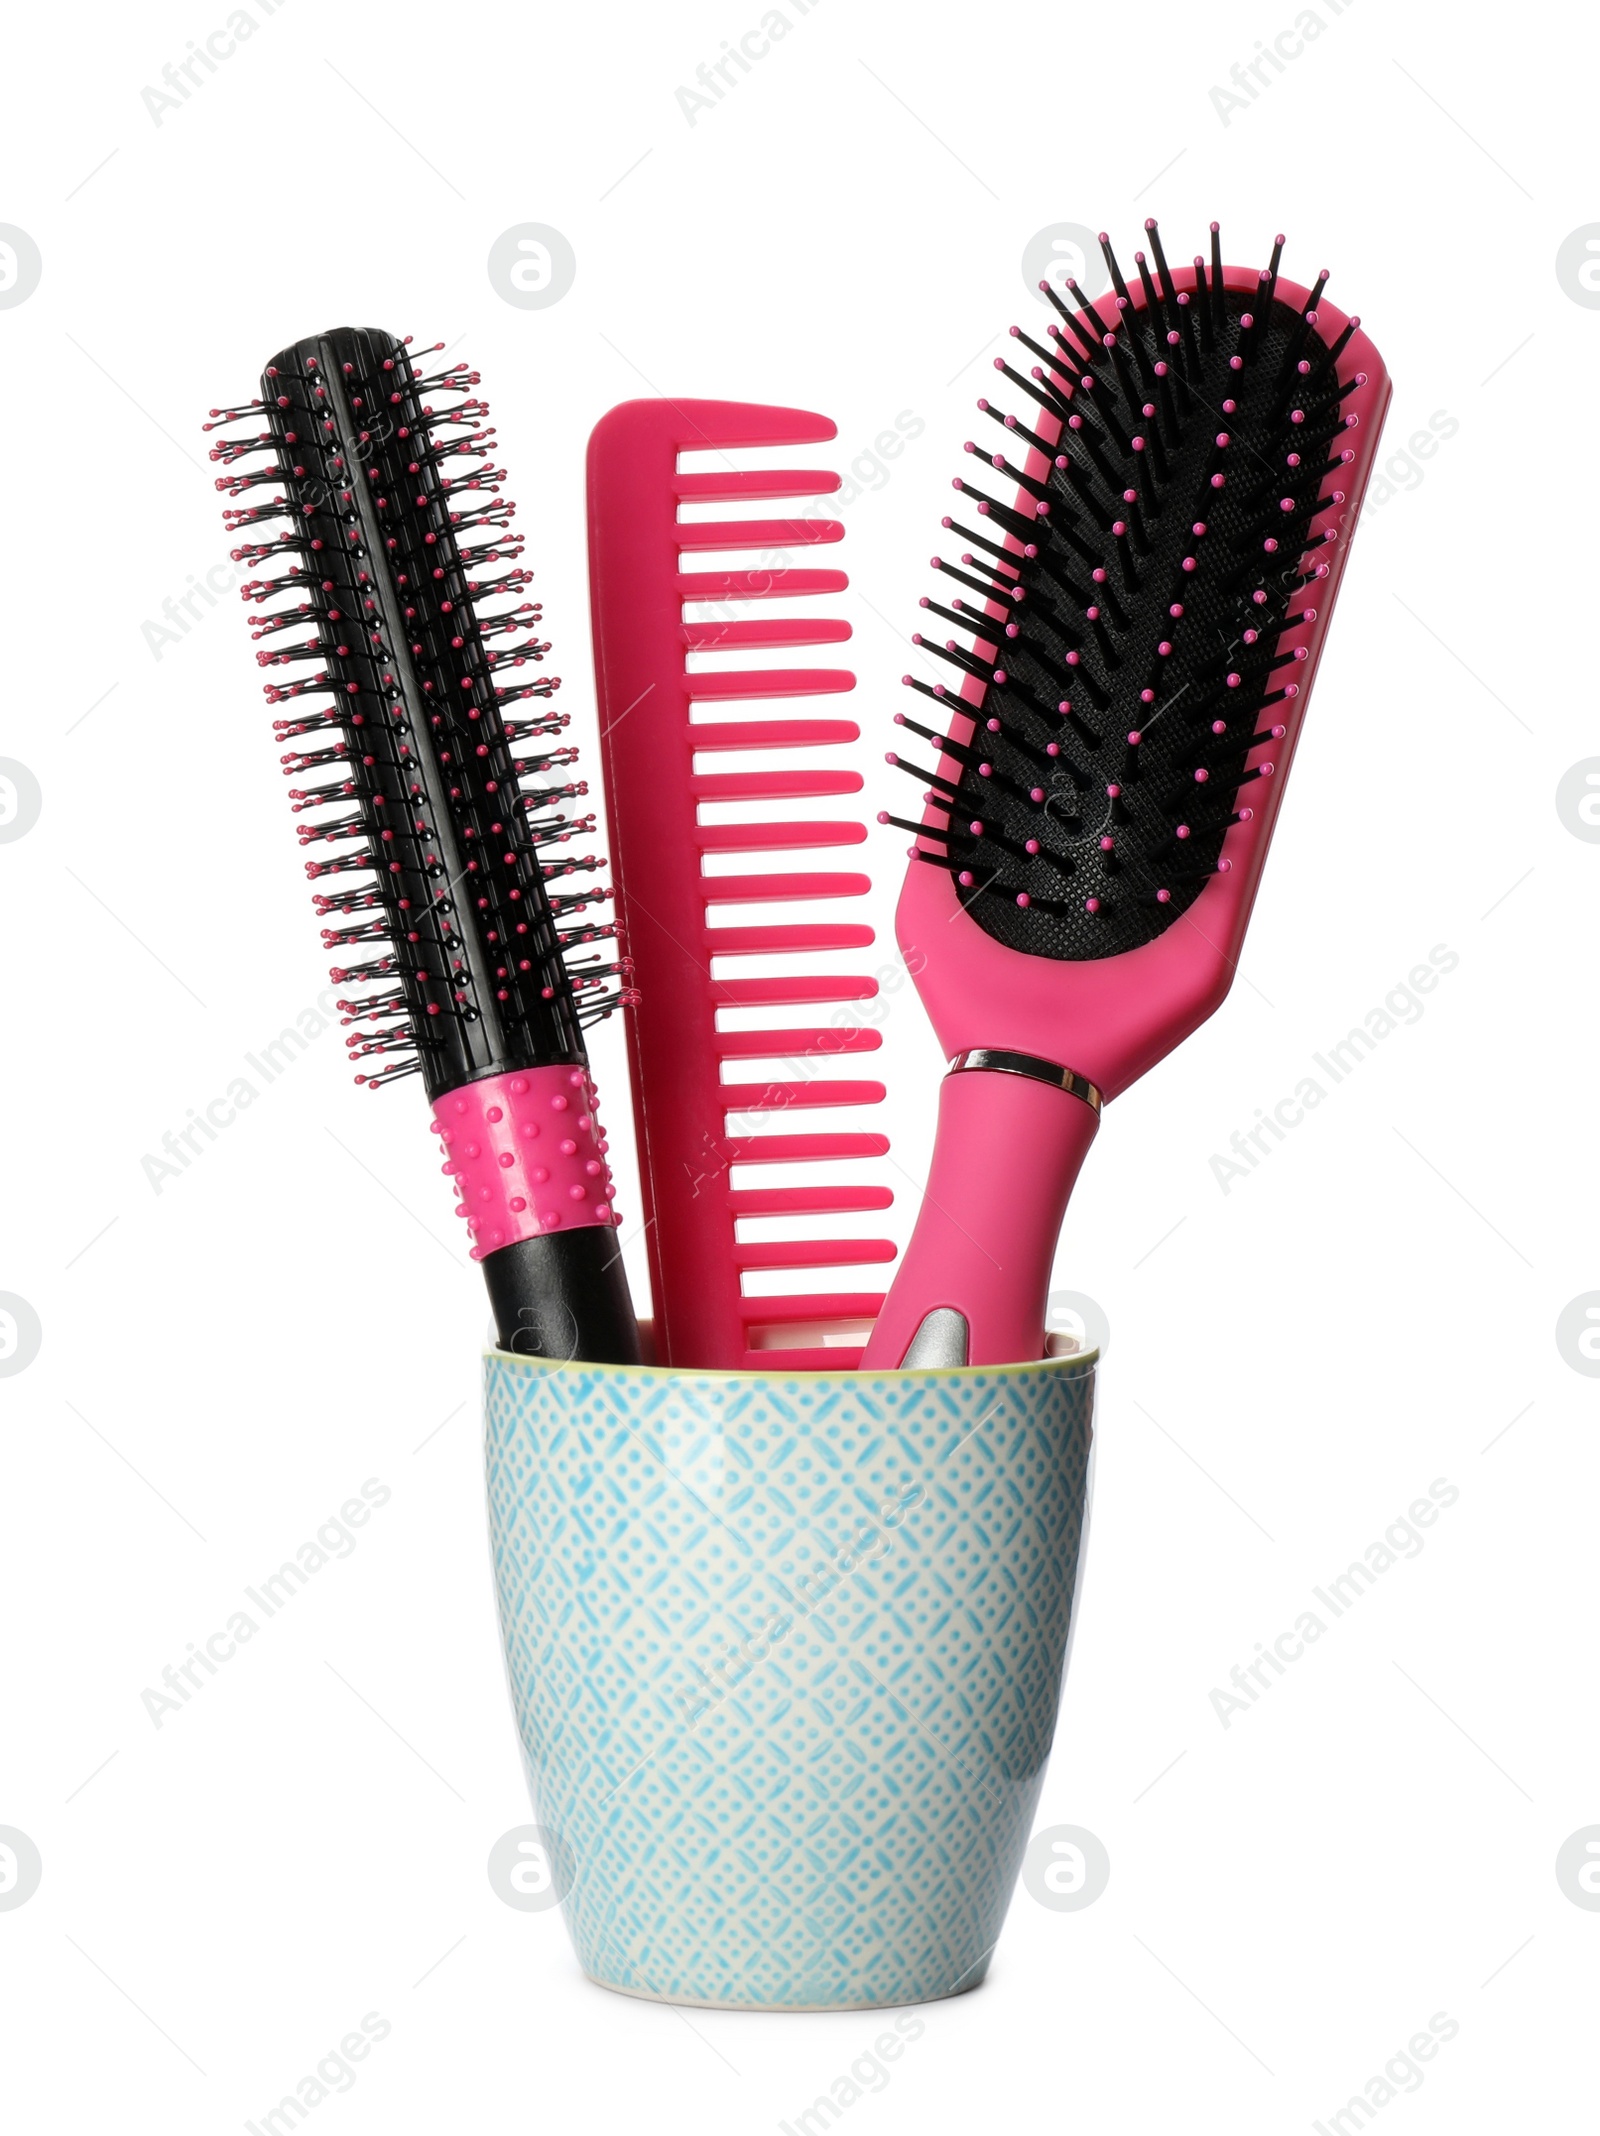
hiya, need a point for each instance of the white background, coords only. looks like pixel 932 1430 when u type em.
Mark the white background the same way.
pixel 1292 1363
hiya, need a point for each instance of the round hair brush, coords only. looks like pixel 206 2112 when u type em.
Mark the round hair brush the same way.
pixel 438 818
pixel 1139 613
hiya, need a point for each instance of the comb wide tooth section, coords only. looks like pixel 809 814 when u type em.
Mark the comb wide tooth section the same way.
pixel 678 822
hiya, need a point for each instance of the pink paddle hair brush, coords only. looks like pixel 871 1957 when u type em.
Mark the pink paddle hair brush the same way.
pixel 1141 627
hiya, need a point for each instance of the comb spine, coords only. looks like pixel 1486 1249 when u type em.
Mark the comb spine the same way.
pixel 646 758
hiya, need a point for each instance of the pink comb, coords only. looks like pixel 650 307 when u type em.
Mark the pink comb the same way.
pixel 653 724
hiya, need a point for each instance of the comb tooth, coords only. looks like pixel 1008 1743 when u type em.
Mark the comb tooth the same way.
pixel 799 990
pixel 756 482
pixel 774 941
pixel 775 837
pixel 707 685
pixel 802 1149
pixel 796 1045
pixel 807 1201
pixel 825 1305
pixel 786 1097
pixel 846 1358
pixel 756 585
pixel 761 636
pixel 773 785
pixel 773 733
pixel 757 889
pixel 812 1253
pixel 756 533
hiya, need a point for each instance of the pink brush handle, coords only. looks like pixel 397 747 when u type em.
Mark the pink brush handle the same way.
pixel 1005 1158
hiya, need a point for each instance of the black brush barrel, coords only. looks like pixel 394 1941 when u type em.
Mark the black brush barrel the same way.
pixel 564 1297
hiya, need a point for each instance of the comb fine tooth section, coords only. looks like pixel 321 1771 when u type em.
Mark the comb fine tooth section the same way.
pixel 643 641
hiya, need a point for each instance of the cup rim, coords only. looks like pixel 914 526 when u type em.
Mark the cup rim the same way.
pixel 1072 1365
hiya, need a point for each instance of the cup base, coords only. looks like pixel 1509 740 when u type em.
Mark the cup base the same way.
pixel 782 2009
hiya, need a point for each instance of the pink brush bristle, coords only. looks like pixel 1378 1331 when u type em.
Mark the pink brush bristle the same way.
pixel 686 1070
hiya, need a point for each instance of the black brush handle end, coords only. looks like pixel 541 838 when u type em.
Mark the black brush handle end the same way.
pixel 564 1295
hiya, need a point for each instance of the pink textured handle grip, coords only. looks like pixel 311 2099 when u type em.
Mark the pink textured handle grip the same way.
pixel 526 1153
pixel 1005 1158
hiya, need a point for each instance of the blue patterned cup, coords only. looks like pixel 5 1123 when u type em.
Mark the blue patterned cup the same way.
pixel 786 1654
